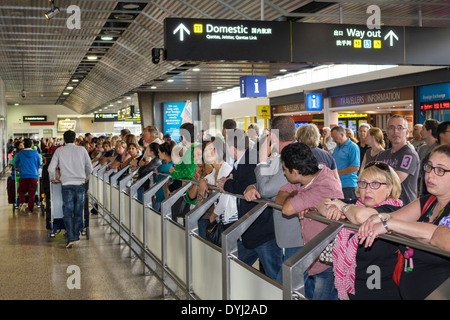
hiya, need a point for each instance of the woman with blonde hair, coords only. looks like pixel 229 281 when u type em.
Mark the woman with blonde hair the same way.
pixel 375 139
pixel 309 134
pixel 379 189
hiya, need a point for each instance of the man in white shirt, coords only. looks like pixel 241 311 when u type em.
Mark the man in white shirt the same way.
pixel 75 167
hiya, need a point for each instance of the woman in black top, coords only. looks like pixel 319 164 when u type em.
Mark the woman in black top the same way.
pixel 419 220
pixel 379 189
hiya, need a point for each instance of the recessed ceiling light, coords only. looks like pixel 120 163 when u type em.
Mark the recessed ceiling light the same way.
pixel 128 98
pixel 153 87
pixel 196 69
pixel 283 70
pixel 69 88
pixel 75 80
pixel 92 57
pixel 170 80
pixel 16 104
pixel 130 6
pixel 219 88
pixel 106 38
pixel 65 93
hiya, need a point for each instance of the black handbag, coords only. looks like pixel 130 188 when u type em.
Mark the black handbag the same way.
pixel 214 233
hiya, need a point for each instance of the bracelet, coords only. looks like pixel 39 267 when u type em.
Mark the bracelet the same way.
pixel 386 226
pixel 381 218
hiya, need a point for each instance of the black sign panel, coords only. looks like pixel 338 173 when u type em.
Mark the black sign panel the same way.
pixel 229 40
pixel 105 117
pixel 430 46
pixel 312 43
pixel 339 43
pixel 34 118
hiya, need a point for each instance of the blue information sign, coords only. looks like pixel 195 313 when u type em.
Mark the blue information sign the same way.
pixel 253 86
pixel 313 102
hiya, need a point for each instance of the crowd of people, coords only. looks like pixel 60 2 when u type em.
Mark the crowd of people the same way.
pixel 381 182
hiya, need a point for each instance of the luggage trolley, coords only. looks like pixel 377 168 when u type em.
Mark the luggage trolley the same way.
pixel 54 217
pixel 54 214
pixel 16 202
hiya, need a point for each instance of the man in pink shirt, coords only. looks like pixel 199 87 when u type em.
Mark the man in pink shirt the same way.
pixel 309 183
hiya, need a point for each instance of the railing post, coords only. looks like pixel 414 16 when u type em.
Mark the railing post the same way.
pixel 192 218
pixel 229 244
pixel 295 267
pixel 166 213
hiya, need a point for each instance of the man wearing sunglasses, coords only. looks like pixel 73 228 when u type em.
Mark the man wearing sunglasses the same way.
pixel 402 157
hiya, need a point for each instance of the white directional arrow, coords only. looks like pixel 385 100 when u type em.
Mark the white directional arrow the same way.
pixel 181 28
pixel 391 35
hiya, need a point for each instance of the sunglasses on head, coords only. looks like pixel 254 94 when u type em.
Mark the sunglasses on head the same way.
pixel 380 165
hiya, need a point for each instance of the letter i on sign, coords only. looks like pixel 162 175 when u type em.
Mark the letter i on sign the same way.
pixel 256 86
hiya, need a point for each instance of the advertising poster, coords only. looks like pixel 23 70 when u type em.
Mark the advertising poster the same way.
pixel 175 114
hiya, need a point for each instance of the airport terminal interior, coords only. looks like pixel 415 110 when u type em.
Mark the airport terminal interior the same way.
pixel 108 69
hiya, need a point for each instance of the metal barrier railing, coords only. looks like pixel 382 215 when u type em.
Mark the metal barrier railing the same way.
pixel 172 259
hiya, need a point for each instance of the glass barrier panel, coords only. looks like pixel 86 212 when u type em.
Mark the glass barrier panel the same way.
pixel 206 270
pixel 247 285
pixel 138 221
pixel 176 250
pixel 154 233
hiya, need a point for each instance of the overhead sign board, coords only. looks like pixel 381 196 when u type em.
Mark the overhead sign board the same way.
pixel 339 43
pixel 126 113
pixel 105 117
pixel 34 118
pixel 230 40
pixel 297 42
pixel 253 86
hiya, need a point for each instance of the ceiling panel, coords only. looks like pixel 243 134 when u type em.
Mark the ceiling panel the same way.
pixel 44 57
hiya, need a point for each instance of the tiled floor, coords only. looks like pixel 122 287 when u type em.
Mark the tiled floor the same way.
pixel 31 267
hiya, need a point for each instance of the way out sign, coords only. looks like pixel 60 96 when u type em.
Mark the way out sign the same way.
pixel 253 86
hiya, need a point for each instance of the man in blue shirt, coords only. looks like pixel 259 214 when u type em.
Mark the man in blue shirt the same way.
pixel 28 161
pixel 347 157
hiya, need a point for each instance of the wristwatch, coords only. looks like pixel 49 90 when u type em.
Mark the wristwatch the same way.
pixel 384 222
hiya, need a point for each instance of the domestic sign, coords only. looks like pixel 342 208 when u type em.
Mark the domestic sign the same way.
pixel 34 118
pixel 328 43
pixel 230 40
pixel 105 117
pixel 313 101
pixel 253 86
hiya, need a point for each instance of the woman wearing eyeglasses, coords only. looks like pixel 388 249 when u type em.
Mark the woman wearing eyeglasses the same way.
pixel 362 274
pixel 420 220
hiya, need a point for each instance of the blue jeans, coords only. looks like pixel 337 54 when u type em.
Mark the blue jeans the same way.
pixel 269 255
pixel 73 197
pixel 321 286
pixel 288 252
